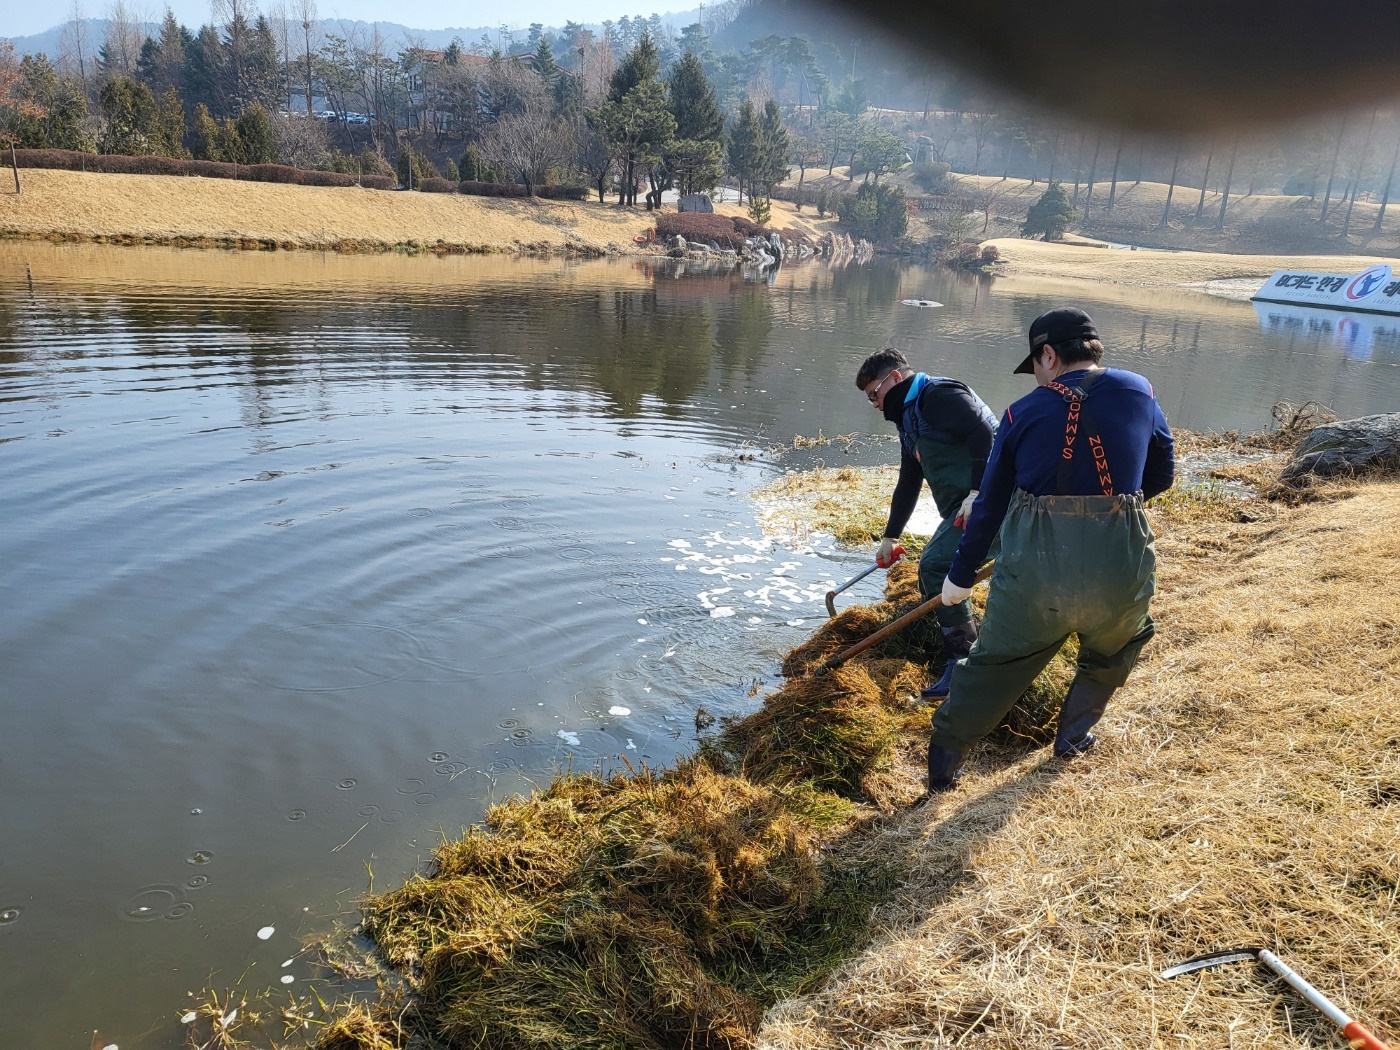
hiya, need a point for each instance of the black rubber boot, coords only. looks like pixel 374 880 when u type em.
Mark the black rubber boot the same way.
pixel 1083 706
pixel 943 766
pixel 957 643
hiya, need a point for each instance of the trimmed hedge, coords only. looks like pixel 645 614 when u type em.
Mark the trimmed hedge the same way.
pixel 119 164
pixel 490 189
pixel 562 193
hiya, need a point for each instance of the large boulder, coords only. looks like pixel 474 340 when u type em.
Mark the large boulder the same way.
pixel 1349 446
pixel 695 202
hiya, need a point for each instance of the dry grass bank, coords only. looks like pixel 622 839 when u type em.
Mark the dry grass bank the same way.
pixel 172 210
pixel 1096 262
pixel 1247 792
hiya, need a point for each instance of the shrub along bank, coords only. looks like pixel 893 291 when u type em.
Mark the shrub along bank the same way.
pixel 75 160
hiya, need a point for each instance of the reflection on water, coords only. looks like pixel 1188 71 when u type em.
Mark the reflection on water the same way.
pixel 310 558
pixel 1359 336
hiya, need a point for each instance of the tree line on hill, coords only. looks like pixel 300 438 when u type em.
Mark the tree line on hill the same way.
pixel 634 110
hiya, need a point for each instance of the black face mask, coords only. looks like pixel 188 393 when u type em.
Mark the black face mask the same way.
pixel 894 400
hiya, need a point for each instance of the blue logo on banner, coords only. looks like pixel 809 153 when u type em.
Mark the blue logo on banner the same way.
pixel 1367 281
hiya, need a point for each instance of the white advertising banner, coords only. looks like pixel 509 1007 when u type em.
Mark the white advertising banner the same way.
pixel 1373 290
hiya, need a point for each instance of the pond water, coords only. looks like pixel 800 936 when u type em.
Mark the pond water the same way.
pixel 308 559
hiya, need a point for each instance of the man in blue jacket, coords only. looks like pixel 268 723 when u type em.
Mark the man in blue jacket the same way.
pixel 945 433
pixel 1072 465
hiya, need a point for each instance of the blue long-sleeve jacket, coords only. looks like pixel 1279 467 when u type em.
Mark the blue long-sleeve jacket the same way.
pixel 1029 445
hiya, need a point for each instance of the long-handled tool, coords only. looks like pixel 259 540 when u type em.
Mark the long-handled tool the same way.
pixel 1353 1030
pixel 916 613
pixel 895 555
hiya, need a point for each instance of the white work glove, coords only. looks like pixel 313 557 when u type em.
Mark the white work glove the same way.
pixel 887 553
pixel 953 594
pixel 961 520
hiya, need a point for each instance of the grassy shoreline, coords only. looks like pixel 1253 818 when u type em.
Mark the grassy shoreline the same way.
pixel 775 890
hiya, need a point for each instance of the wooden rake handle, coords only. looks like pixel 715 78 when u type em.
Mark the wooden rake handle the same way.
pixel 916 613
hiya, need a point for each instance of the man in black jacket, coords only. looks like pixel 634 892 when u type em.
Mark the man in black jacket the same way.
pixel 945 435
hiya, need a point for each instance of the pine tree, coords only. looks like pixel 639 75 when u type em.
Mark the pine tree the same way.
pixel 254 135
pixel 635 122
pixel 745 147
pixel 1049 217
pixel 641 64
pixel 545 66
pixel 773 148
pixel 129 110
pixel 696 158
pixel 205 131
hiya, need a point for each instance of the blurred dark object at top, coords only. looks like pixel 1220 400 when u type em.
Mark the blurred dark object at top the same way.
pixel 1174 66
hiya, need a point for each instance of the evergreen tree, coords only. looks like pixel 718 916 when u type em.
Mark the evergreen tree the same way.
pixel 545 66
pixel 45 110
pixel 206 72
pixel 254 135
pixel 1049 217
pixel 696 159
pixel 692 101
pixel 170 125
pixel 745 147
pixel 876 212
pixel 204 131
pixel 774 147
pixel 164 58
pixel 635 123
pixel 131 116
pixel 640 65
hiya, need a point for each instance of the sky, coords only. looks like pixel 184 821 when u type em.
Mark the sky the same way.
pixel 24 19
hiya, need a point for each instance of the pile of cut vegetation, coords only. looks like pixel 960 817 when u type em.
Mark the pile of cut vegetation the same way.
pixel 667 908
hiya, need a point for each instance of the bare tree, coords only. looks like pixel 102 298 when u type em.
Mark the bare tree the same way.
pixel 306 14
pixel 1332 174
pixel 121 45
pixel 983 125
pixel 1362 158
pixel 281 24
pixel 74 41
pixel 1389 179
pixel 1171 186
pixel 299 139
pixel 1093 170
pixel 1113 184
pixel 1225 193
pixel 1205 182
pixel 529 142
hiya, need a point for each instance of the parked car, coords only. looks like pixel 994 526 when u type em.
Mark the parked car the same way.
pixel 356 118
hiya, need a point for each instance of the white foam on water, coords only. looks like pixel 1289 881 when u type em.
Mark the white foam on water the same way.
pixel 266 932
pixel 619 711
pixel 569 738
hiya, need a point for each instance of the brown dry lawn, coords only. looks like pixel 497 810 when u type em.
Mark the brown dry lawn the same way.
pixel 1246 792
pixel 161 209
pixel 1082 261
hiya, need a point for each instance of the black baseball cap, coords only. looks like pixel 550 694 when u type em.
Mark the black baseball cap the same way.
pixel 1056 326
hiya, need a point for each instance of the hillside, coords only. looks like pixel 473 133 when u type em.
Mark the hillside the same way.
pixel 188 211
